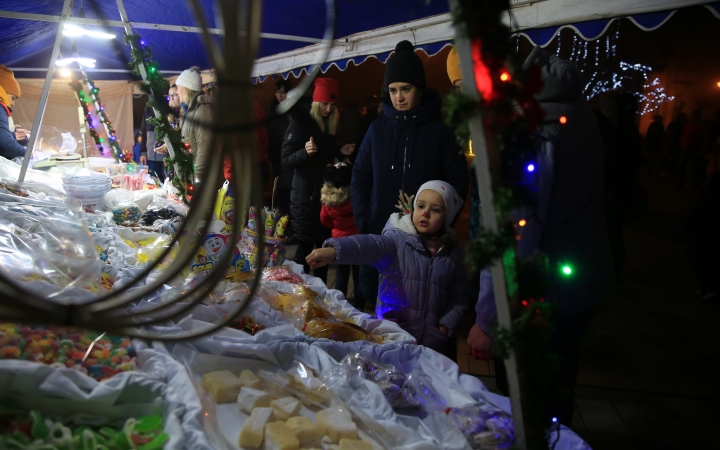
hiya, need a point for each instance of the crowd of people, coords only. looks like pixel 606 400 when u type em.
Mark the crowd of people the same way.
pixel 341 190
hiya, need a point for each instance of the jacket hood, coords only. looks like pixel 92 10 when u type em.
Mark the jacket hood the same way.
pixel 200 99
pixel 429 110
pixel 562 79
pixel 334 196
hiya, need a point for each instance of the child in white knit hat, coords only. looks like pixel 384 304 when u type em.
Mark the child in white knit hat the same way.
pixel 423 281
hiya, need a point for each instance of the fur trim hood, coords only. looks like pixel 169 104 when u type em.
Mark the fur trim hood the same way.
pixel 334 196
pixel 403 222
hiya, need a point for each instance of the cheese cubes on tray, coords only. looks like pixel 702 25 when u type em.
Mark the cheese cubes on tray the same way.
pixel 275 421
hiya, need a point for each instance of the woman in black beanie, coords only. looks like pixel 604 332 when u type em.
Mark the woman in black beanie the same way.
pixel 405 147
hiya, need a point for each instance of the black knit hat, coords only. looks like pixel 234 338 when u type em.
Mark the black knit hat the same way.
pixel 405 66
pixel 338 175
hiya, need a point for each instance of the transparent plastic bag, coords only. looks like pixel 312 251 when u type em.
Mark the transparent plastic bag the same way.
pixel 485 426
pixel 120 203
pixel 48 247
pixel 393 382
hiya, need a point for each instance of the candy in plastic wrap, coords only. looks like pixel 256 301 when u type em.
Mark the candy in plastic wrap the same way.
pixel 252 219
pixel 281 225
pixel 281 273
pixel 127 213
pixel 269 221
pixel 485 426
pixel 391 381
pixel 339 331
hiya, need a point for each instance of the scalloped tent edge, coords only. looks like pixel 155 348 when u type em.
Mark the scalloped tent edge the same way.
pixel 432 34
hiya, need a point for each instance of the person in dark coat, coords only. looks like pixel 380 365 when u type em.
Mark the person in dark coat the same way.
pixel 568 225
pixel 654 141
pixel 277 126
pixel 309 146
pixel 408 145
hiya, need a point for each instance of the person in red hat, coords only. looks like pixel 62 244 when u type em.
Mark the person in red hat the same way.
pixel 310 145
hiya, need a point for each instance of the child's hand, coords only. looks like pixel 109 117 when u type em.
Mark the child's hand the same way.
pixel 321 257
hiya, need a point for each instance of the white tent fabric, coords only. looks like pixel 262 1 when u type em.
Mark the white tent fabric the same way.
pixel 526 14
pixel 61 113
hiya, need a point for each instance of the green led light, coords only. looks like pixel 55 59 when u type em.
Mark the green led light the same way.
pixel 567 270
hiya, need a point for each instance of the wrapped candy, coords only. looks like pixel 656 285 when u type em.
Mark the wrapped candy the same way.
pixel 252 219
pixel 281 226
pixel 269 222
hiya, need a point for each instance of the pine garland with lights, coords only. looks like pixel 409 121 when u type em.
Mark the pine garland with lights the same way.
pixel 114 147
pixel 182 165
pixel 510 115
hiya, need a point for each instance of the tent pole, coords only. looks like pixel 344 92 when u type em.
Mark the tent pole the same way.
pixel 143 74
pixel 45 91
pixel 489 217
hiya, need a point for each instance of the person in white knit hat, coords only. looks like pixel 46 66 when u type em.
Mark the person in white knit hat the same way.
pixel 423 280
pixel 196 114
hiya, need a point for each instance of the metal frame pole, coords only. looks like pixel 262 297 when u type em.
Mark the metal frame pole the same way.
pixel 46 90
pixel 490 222
pixel 143 74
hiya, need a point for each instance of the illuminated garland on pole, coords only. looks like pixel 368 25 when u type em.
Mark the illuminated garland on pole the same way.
pixel 112 144
pixel 510 114
pixel 155 87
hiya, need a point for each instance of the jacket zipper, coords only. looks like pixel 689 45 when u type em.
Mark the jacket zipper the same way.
pixel 423 330
pixel 402 185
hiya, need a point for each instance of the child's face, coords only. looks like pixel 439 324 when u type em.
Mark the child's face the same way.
pixel 429 213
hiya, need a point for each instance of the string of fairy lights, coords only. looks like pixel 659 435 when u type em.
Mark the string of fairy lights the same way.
pixel 112 145
pixel 615 74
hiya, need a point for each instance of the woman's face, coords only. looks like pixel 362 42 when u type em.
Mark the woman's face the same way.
pixel 404 96
pixel 429 213
pixel 326 109
pixel 280 95
pixel 174 97
pixel 181 93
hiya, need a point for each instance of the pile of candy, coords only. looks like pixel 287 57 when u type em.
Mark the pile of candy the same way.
pixel 33 431
pixel 62 347
pixel 281 273
pixel 126 213
pixel 151 215
pixel 247 324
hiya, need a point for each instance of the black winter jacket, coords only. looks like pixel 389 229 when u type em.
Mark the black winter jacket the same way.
pixel 277 126
pixel 308 177
pixel 403 150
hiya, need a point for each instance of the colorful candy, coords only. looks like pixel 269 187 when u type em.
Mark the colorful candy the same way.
pixel 127 213
pixel 282 224
pixel 68 347
pixel 35 431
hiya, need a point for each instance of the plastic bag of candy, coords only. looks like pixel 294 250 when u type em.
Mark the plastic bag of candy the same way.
pixel 281 273
pixel 485 426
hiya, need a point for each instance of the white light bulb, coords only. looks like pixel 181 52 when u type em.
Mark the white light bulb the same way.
pixel 74 30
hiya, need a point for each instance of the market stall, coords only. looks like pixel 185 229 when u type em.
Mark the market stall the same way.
pixel 298 342
pixel 296 366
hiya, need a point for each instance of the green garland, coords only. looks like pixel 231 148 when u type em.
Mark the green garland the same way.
pixel 504 86
pixel 182 165
pixel 77 86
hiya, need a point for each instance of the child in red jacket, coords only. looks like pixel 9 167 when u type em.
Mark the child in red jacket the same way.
pixel 337 214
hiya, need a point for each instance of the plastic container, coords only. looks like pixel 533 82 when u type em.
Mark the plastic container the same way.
pixel 86 188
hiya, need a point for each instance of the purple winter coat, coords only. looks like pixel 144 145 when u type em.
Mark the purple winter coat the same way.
pixel 419 291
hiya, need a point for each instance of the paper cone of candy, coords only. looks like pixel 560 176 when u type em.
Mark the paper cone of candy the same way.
pixel 273 236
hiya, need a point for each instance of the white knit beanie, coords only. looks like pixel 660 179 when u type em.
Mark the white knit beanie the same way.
pixel 453 202
pixel 190 79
